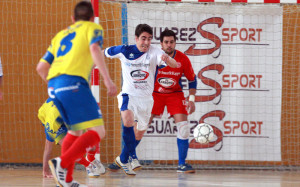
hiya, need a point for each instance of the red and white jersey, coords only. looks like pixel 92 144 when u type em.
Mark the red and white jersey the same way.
pixel 168 79
pixel 138 68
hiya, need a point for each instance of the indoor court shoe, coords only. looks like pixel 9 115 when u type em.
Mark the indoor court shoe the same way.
pixel 185 168
pixel 75 184
pixel 125 167
pixel 99 166
pixel 92 171
pixel 135 164
pixel 113 167
pixel 59 173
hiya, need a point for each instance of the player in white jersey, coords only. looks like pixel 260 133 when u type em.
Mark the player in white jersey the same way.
pixel 1 74
pixel 139 64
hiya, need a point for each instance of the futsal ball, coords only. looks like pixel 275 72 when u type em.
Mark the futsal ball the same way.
pixel 203 133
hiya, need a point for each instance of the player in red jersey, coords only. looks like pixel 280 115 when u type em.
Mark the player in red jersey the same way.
pixel 168 92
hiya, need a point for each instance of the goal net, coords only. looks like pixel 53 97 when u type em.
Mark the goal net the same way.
pixel 245 57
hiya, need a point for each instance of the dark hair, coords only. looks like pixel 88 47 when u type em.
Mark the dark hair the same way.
pixel 167 32
pixel 83 11
pixel 140 28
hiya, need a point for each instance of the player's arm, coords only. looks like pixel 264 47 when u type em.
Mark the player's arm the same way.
pixel 114 51
pixel 192 81
pixel 98 58
pixel 43 68
pixel 47 156
pixel 191 104
pixel 45 63
pixel 169 60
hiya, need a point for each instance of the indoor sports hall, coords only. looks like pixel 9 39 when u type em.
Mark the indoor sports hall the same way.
pixel 245 54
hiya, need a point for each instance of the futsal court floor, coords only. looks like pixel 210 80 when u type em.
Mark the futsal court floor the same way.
pixel 159 178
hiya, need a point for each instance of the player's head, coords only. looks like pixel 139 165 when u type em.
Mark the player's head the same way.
pixel 143 37
pixel 83 11
pixel 168 41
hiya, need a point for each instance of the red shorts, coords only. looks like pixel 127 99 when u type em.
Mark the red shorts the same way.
pixel 175 102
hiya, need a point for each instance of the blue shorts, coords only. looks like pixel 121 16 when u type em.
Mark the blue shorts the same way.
pixel 75 102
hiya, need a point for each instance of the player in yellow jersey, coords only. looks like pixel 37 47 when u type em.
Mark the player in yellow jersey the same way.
pixel 55 131
pixel 66 67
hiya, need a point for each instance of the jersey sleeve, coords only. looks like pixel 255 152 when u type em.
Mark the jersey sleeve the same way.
pixel 188 69
pixel 114 52
pixel 95 34
pixel 189 72
pixel 159 52
pixel 49 55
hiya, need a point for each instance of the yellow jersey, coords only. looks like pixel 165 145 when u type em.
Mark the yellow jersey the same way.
pixel 69 52
pixel 50 117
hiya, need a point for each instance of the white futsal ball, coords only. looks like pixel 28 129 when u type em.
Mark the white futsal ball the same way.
pixel 203 133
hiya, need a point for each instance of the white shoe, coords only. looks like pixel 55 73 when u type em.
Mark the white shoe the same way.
pixel 126 167
pixel 92 171
pixel 135 164
pixel 100 167
pixel 58 172
pixel 75 184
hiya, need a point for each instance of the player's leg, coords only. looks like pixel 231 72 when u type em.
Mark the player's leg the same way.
pixel 96 165
pixel 77 102
pixel 177 109
pixel 93 167
pixel 143 116
pixel 90 155
pixel 138 137
pixel 79 147
pixel 135 165
pixel 127 115
pixel 128 134
pixel 129 141
pixel 183 132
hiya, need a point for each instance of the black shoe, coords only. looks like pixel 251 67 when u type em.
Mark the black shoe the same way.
pixel 185 168
pixel 113 167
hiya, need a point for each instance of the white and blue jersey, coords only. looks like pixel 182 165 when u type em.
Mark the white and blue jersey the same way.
pixel 138 68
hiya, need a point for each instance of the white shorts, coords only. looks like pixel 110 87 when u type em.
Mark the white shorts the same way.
pixel 140 106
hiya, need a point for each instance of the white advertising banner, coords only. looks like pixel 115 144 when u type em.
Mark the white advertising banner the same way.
pixel 236 53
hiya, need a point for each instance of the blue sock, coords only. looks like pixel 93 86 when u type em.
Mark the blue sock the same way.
pixel 183 146
pixel 129 143
pixel 133 155
pixel 124 154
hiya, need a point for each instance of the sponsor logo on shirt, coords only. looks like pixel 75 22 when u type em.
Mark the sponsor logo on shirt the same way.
pixel 169 73
pixel 139 75
pixel 166 82
pixel 138 65
pixel 131 55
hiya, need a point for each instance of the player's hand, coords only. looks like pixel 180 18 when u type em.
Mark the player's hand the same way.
pixel 165 57
pixel 111 88
pixel 47 174
pixel 191 107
